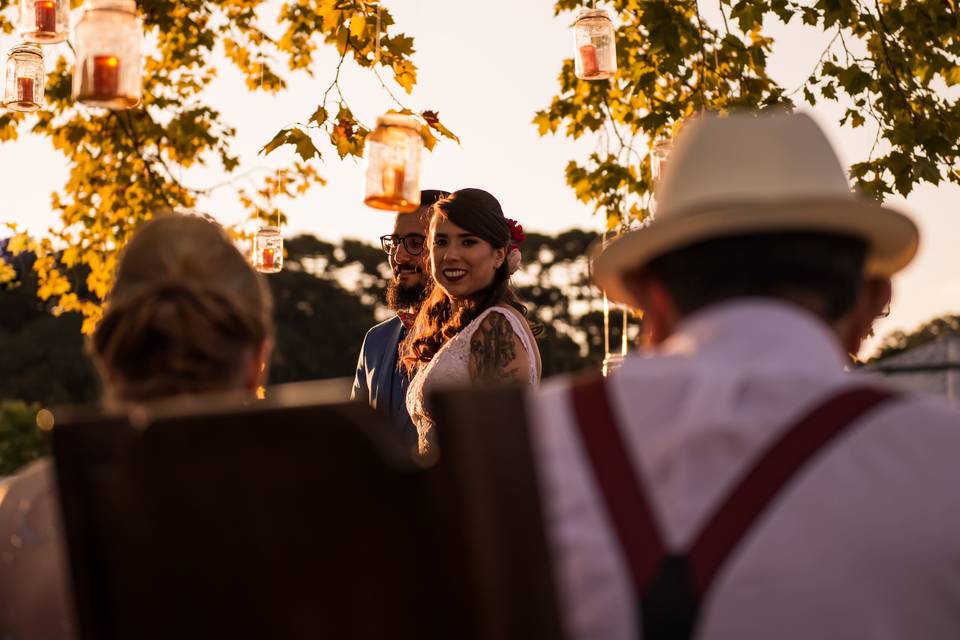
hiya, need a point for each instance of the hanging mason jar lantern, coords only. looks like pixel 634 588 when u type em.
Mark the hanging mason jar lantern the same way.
pixel 44 21
pixel 392 156
pixel 109 42
pixel 23 90
pixel 268 250
pixel 658 161
pixel 596 47
pixel 614 354
pixel 616 347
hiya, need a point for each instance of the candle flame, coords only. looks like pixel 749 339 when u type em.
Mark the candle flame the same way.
pixel 111 61
pixel 48 4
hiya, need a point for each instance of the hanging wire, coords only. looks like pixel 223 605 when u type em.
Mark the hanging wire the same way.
pixel 260 89
pixel 624 342
pixel 376 53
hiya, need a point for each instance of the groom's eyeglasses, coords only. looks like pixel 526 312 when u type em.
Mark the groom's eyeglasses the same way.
pixel 413 243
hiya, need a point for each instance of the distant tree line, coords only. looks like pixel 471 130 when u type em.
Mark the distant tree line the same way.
pixel 326 298
pixel 900 341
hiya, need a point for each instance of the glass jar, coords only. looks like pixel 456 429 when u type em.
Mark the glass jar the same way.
pixel 614 354
pixel 44 21
pixel 596 46
pixel 268 250
pixel 23 89
pixel 658 164
pixel 658 161
pixel 109 44
pixel 392 157
pixel 612 362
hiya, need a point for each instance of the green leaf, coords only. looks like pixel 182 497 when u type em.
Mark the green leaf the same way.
pixel 748 14
pixel 924 169
pixel 854 79
pixel 783 10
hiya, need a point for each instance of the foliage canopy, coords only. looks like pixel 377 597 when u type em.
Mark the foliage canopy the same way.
pixel 124 166
pixel 889 63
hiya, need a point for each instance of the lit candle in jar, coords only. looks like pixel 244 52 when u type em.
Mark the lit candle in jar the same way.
pixel 393 179
pixel 106 76
pixel 267 261
pixel 46 11
pixel 588 60
pixel 25 90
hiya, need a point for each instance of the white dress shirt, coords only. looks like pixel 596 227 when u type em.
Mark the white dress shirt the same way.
pixel 864 544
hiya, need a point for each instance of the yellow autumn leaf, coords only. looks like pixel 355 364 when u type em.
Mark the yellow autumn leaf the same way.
pixel 7 273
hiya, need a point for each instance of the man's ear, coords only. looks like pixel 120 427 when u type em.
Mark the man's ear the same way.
pixel 871 304
pixel 660 316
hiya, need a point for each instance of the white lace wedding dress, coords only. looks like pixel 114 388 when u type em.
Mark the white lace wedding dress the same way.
pixel 450 367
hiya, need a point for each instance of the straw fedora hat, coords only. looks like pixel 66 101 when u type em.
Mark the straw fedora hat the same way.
pixel 746 174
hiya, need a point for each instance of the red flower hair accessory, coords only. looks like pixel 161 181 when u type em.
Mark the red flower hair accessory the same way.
pixel 516 234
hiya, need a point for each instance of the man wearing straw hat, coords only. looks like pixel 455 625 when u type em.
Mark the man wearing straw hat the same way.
pixel 738 481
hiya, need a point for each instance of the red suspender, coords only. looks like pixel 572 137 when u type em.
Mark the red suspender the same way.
pixel 633 520
pixel 619 483
pixel 781 462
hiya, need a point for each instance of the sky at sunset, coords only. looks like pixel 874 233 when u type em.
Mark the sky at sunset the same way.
pixel 486 67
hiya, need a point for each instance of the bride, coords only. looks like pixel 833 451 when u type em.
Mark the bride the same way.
pixel 472 327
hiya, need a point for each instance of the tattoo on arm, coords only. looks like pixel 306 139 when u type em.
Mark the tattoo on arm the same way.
pixel 493 351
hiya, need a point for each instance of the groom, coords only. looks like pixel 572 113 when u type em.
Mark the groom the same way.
pixel 379 379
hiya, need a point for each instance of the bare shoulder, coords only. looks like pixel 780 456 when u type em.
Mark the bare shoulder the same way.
pixel 497 353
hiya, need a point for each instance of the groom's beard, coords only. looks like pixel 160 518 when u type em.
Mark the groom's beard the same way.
pixel 400 297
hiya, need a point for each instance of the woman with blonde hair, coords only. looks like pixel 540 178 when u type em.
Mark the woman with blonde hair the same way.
pixel 472 328
pixel 187 315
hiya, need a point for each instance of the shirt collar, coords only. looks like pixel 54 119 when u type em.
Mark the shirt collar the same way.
pixel 407 318
pixel 757 332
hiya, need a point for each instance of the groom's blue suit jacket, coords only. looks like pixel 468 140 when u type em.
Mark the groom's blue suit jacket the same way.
pixel 380 381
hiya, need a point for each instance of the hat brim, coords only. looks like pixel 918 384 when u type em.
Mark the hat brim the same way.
pixel 892 238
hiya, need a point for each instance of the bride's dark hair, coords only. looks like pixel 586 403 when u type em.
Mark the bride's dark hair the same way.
pixel 478 212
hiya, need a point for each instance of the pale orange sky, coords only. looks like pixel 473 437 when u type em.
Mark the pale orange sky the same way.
pixel 487 67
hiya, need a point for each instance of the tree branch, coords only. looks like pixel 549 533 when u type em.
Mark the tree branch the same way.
pixel 823 54
pixel 889 63
pixel 703 56
pixel 130 130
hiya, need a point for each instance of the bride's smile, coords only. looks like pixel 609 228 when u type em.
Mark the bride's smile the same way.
pixel 462 263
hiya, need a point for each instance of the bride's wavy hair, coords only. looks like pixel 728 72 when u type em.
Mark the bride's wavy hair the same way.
pixel 185 315
pixel 438 321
